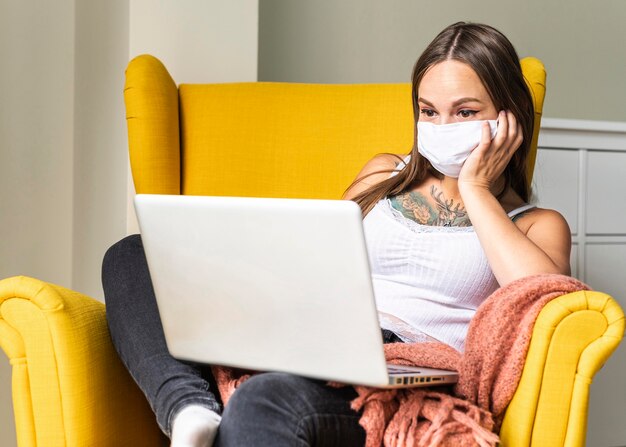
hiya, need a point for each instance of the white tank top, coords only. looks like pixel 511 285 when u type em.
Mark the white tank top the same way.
pixel 427 279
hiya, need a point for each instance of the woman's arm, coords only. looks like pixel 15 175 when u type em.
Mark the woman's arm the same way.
pixel 545 245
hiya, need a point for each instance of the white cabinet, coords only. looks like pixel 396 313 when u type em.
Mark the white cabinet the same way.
pixel 605 264
pixel 556 182
pixel 606 193
pixel 581 172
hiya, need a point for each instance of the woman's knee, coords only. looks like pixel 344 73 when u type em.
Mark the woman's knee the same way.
pixel 124 249
pixel 275 397
pixel 270 392
pixel 262 412
pixel 121 258
pixel 284 409
pixel 125 272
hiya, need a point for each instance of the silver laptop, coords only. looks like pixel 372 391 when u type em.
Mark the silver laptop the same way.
pixel 269 285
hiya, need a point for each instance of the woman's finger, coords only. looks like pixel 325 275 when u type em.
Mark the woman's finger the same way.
pixel 503 129
pixel 512 126
pixel 485 139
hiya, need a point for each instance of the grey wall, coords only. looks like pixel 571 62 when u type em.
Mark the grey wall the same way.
pixel 582 44
pixel 36 143
pixel 100 57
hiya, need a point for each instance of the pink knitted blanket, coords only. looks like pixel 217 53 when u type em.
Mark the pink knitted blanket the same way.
pixel 469 413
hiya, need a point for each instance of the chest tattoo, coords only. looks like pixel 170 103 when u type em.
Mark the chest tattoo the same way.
pixel 435 212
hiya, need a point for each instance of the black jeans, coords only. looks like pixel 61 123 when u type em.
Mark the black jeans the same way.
pixel 270 409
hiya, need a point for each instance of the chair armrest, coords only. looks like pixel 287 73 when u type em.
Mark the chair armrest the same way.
pixel 572 338
pixel 69 386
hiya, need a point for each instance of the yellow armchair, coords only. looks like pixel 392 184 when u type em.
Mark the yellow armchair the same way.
pixel 272 140
pixel 69 386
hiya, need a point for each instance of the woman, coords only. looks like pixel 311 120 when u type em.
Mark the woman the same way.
pixel 445 226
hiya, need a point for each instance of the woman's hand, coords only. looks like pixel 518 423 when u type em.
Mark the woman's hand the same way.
pixel 487 162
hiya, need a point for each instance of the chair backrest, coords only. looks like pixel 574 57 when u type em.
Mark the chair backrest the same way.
pixel 267 139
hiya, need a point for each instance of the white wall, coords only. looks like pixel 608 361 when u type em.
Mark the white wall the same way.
pixel 198 41
pixel 36 140
pixel 36 152
pixel 63 149
pixel 101 55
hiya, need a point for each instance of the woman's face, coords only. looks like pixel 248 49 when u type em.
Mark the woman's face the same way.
pixel 451 92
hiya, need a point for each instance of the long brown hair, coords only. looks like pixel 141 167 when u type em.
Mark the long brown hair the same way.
pixel 492 56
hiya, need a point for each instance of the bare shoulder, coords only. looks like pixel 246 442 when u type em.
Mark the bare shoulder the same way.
pixel 375 171
pixel 544 219
pixel 549 230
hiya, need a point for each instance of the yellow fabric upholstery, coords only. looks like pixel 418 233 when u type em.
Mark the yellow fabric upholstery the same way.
pixel 273 140
pixel 151 99
pixel 238 139
pixel 69 387
pixel 573 337
pixel 535 75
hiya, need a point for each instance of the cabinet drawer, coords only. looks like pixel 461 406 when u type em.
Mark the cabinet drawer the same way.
pixel 604 269
pixel 556 183
pixel 606 193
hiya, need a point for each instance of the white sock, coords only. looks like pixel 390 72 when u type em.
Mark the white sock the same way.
pixel 194 426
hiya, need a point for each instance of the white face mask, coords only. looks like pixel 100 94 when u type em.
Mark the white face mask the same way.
pixel 447 146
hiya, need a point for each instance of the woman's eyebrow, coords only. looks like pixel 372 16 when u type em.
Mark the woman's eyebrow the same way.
pixel 425 101
pixel 460 101
pixel 454 104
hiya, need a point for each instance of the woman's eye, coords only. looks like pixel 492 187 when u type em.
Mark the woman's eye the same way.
pixel 467 113
pixel 427 112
